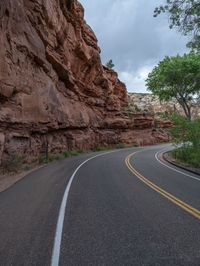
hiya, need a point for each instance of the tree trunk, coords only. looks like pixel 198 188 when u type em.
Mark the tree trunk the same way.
pixel 186 107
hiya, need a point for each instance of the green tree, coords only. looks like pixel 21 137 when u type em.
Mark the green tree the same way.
pixel 177 78
pixel 110 64
pixel 184 14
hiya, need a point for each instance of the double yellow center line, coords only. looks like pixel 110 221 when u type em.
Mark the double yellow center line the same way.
pixel 164 193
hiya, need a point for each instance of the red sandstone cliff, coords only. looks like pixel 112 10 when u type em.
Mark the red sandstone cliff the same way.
pixel 53 86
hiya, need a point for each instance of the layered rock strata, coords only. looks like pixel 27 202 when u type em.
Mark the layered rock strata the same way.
pixel 54 90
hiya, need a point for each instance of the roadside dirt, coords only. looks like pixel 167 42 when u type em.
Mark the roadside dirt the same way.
pixel 9 179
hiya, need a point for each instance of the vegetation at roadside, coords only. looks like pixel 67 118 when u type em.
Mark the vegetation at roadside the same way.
pixel 13 165
pixel 177 77
pixel 60 156
pixel 184 15
pixel 116 146
pixel 18 164
pixel 186 135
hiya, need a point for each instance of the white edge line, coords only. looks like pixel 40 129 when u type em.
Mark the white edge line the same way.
pixel 172 168
pixel 59 227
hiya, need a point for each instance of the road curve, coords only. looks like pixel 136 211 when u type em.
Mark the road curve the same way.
pixel 111 217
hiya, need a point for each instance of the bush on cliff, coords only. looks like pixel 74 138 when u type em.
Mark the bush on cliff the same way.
pixel 110 64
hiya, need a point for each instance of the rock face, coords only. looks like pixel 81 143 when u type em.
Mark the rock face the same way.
pixel 53 87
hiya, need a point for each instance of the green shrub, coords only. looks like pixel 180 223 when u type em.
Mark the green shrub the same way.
pixel 187 134
pixel 72 153
pixel 51 157
pixel 135 145
pixel 42 159
pixel 59 156
pixel 101 148
pixel 120 146
pixel 55 157
pixel 76 153
pixel 66 154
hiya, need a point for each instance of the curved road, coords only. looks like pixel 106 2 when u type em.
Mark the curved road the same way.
pixel 126 207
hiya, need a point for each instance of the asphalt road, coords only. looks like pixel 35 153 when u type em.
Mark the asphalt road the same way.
pixel 118 208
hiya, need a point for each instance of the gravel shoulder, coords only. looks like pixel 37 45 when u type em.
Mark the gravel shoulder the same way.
pixel 9 179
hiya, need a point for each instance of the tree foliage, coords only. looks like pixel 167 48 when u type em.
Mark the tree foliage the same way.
pixel 177 77
pixel 184 14
pixel 110 64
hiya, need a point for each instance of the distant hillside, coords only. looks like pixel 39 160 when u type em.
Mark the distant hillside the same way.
pixel 151 103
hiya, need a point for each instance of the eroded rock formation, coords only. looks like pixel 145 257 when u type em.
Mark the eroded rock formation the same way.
pixel 53 87
pixel 151 103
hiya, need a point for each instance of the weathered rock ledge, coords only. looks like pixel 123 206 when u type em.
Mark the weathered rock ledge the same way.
pixel 53 87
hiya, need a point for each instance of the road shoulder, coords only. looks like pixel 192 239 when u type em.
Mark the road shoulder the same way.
pixel 10 179
pixel 167 158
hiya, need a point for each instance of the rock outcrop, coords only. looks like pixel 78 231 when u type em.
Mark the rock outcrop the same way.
pixel 54 90
pixel 151 103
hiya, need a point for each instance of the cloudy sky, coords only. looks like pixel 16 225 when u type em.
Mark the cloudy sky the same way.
pixel 129 34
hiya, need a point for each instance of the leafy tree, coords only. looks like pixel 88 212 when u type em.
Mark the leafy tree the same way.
pixel 184 14
pixel 177 77
pixel 110 64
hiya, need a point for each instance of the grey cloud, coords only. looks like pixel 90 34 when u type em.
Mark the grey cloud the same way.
pixel 128 33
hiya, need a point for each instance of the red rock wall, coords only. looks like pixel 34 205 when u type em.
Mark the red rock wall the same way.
pixel 53 87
